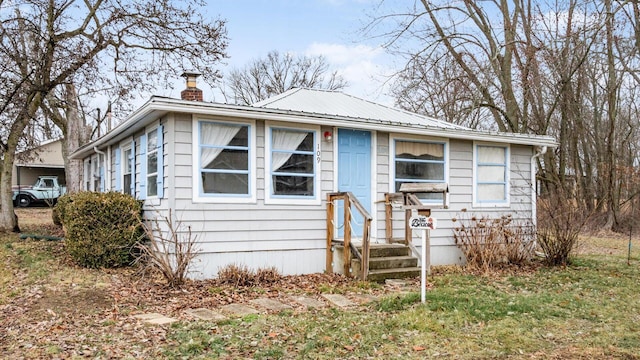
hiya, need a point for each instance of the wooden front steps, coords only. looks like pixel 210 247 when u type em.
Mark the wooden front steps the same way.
pixel 389 261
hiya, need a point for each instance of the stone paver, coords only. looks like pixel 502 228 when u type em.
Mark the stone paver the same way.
pixel 155 319
pixel 338 300
pixel 239 310
pixel 396 282
pixel 309 303
pixel 206 314
pixel 270 304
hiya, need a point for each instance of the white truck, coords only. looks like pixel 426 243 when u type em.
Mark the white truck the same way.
pixel 46 190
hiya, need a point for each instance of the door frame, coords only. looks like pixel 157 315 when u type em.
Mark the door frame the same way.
pixel 373 176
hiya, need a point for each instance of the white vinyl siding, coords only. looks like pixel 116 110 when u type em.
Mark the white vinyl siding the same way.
pixel 491 175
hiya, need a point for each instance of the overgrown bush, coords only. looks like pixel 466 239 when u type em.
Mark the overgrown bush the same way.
pixel 58 209
pixel 559 225
pixel 101 229
pixel 241 275
pixel 490 243
pixel 168 248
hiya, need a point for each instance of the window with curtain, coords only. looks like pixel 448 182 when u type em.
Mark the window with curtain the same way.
pixel 152 162
pixel 224 158
pixel 491 174
pixel 292 163
pixel 419 162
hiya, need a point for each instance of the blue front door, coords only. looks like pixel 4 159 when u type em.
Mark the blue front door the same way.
pixel 354 174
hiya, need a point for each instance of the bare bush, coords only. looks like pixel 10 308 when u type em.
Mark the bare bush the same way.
pixel 490 243
pixel 241 275
pixel 560 222
pixel 169 249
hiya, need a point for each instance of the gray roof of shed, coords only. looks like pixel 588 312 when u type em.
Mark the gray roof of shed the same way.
pixel 341 104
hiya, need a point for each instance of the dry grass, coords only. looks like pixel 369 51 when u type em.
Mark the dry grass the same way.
pixel 587 310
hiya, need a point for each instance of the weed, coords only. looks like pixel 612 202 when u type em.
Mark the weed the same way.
pixel 489 243
pixel 241 275
pixel 170 248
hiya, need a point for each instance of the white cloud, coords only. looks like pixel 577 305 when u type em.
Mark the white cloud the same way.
pixel 364 67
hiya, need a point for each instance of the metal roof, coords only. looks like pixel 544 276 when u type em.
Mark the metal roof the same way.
pixel 365 115
pixel 341 104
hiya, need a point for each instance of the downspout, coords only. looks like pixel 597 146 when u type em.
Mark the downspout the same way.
pixel 534 185
pixel 100 152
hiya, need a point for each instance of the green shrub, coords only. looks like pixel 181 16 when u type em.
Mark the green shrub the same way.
pixel 101 229
pixel 58 209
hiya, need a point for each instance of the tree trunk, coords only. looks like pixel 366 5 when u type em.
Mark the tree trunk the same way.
pixel 75 134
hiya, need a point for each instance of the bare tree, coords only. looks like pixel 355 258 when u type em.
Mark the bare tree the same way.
pixel 277 73
pixel 132 45
pixel 561 68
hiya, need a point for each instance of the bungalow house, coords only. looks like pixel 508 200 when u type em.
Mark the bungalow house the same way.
pixel 253 182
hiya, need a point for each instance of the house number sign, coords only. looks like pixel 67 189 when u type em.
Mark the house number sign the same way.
pixel 423 222
pixel 318 154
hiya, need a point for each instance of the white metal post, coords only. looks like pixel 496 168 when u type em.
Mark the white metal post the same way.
pixel 423 271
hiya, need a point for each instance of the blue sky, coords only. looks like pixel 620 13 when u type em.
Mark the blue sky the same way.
pixel 306 27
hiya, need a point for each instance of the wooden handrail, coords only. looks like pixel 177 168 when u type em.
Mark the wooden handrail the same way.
pixel 349 201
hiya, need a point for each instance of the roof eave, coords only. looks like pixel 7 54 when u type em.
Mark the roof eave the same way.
pixel 157 107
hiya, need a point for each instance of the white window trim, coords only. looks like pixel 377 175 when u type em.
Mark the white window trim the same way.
pixel 124 146
pixel 492 204
pixel 392 156
pixel 88 179
pixel 293 200
pixel 148 130
pixel 195 175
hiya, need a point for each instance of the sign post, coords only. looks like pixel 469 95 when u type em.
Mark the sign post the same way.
pixel 425 224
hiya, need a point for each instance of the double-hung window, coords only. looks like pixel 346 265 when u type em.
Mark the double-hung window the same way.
pixel 419 162
pixel 152 163
pixel 292 165
pixel 127 170
pixel 151 183
pixel 491 175
pixel 224 160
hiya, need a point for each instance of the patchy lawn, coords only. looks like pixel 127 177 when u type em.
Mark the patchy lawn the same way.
pixel 50 308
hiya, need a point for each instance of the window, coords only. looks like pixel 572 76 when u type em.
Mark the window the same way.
pixel 87 174
pixel 292 170
pixel 419 162
pixel 127 170
pixel 224 159
pixel 491 175
pixel 151 164
pixel 93 174
pixel 95 171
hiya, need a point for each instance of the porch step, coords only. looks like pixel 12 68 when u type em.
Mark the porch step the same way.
pixel 381 275
pixel 387 250
pixel 388 262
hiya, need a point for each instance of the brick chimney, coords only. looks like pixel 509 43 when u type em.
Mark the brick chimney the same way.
pixel 191 93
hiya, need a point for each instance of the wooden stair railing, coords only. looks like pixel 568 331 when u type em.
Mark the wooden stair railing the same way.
pixel 349 201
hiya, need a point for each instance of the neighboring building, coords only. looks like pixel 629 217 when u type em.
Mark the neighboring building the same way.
pixel 252 181
pixel 43 160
